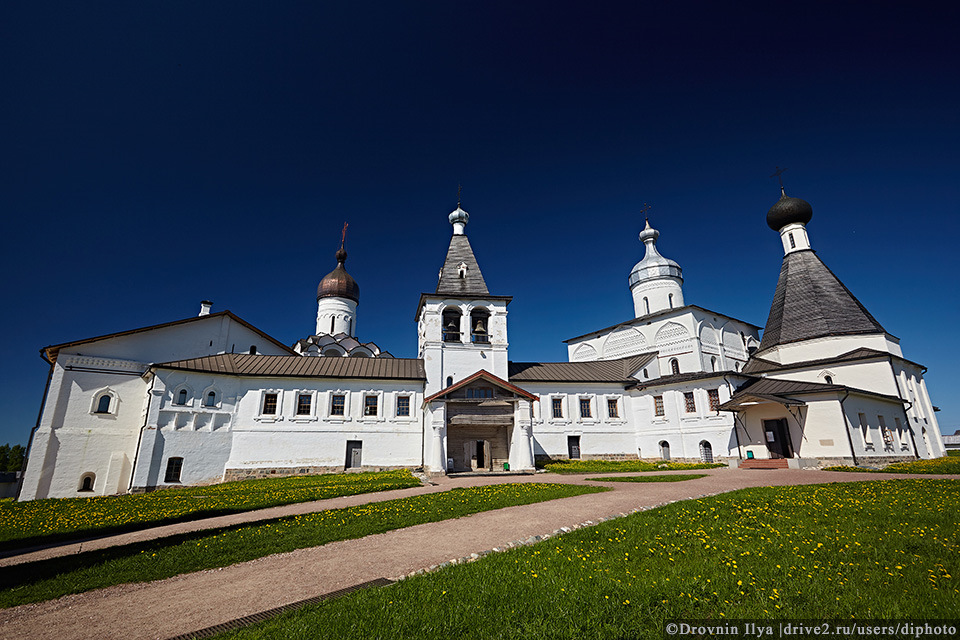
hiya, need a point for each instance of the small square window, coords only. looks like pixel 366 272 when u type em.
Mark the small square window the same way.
pixel 403 405
pixel 690 404
pixel 270 404
pixel 303 404
pixel 612 409
pixel 336 405
pixel 658 405
pixel 585 408
pixel 557 404
pixel 714 395
pixel 370 405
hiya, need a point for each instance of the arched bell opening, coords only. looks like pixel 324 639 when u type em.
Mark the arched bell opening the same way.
pixel 451 324
pixel 480 326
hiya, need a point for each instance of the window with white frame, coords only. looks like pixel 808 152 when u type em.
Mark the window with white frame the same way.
pixel 370 406
pixel 269 404
pixel 658 406
pixel 304 404
pixel 557 406
pixel 864 428
pixel 403 406
pixel 714 395
pixel 174 467
pixel 182 397
pixel 210 400
pixel 613 410
pixel 337 404
pixel 585 408
pixel 689 402
pixel 103 404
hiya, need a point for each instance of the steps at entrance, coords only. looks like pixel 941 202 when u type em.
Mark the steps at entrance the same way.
pixel 779 463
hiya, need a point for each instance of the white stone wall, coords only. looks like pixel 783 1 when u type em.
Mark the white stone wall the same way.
pixel 830 347
pixel 336 315
pixel 73 439
pixel 681 429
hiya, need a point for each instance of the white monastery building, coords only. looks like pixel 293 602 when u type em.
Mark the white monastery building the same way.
pixel 213 398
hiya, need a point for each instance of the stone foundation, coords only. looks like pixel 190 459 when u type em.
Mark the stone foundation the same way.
pixel 282 472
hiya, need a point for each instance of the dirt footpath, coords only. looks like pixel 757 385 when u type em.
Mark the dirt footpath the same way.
pixel 191 602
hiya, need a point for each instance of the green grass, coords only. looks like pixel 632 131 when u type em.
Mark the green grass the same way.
pixel 953 453
pixel 24 524
pixel 219 548
pixel 674 477
pixel 885 549
pixel 948 464
pixel 614 466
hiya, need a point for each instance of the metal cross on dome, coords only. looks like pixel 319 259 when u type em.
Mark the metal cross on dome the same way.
pixel 343 236
pixel 646 207
pixel 778 174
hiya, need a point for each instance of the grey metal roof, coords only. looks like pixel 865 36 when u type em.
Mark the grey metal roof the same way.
pixel 241 364
pixel 618 370
pixel 811 302
pixel 450 281
pixel 780 390
pixel 683 377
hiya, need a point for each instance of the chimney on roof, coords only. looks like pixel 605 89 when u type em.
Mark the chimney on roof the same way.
pixel 205 307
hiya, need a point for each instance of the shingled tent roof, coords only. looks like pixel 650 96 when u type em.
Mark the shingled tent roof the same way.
pixel 811 302
pixel 472 284
pixel 240 364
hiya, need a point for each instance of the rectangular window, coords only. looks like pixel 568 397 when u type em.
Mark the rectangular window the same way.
pixel 658 405
pixel 303 404
pixel 689 403
pixel 714 395
pixel 612 410
pixel 403 405
pixel 336 405
pixel 370 405
pixel 557 404
pixel 269 404
pixel 174 466
pixel 480 392
pixel 864 428
pixel 585 407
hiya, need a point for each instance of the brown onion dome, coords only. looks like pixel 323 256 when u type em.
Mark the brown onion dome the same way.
pixel 788 210
pixel 338 283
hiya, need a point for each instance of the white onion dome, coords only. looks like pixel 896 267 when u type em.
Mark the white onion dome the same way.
pixel 653 266
pixel 459 220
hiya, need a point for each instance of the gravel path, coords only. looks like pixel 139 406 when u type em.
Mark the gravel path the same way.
pixel 194 601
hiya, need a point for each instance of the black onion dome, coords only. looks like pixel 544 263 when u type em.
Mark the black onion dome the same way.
pixel 338 283
pixel 788 210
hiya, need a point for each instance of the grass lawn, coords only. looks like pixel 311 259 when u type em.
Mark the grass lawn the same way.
pixel 886 549
pixel 949 464
pixel 219 548
pixel 953 453
pixel 615 466
pixel 674 477
pixel 24 524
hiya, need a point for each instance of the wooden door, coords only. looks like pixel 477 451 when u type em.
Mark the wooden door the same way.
pixel 777 438
pixel 573 447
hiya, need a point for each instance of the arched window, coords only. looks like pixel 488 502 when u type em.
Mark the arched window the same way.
pixel 211 400
pixel 670 298
pixel 253 349
pixel 645 374
pixel 674 366
pixel 331 325
pixel 103 404
pixel 449 381
pixel 713 363
pixel 828 379
pixel 451 324
pixel 480 326
pixel 706 451
pixel 646 306
pixel 182 397
pixel 86 482
pixel 664 450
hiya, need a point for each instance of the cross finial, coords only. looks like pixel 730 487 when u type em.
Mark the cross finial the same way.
pixel 778 174
pixel 343 236
pixel 644 210
pixel 459 189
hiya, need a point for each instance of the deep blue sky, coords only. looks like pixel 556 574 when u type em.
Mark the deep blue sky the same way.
pixel 158 153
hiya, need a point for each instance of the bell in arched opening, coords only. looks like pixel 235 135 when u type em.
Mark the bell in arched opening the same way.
pixel 479 324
